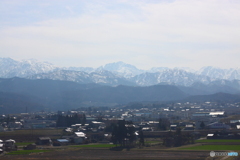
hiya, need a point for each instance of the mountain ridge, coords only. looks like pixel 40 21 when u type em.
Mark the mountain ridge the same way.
pixel 113 74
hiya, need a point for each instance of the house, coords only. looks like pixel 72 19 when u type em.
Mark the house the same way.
pixel 146 129
pixel 189 127
pixel 210 136
pixel 1 148
pixel 223 135
pixel 16 125
pixel 10 145
pixel 79 137
pixel 217 114
pixel 217 125
pixel 204 122
pixel 200 115
pixel 44 141
pixel 30 147
pixel 62 142
pixel 173 127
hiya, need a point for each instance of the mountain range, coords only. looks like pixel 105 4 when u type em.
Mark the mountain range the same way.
pixel 114 74
pixel 25 95
pixel 30 85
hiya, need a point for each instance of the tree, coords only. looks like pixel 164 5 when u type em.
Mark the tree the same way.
pixel 131 136
pixel 68 120
pixel 83 119
pixel 163 124
pixel 123 130
pixel 202 125
pixel 177 139
pixel 141 137
pixel 110 127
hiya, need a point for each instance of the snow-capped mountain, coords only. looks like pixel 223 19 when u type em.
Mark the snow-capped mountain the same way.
pixel 157 69
pixel 170 76
pixel 84 69
pixel 217 73
pixel 119 68
pixel 115 73
pixel 11 68
pixel 100 77
pixel 122 69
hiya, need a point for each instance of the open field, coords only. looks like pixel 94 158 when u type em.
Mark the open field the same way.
pixel 149 142
pixel 218 141
pixel 152 150
pixel 21 152
pixel 94 146
pixel 213 147
pixel 77 153
pixel 30 135
pixel 24 143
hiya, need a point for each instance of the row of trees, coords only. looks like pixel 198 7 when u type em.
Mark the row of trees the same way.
pixel 68 120
pixel 124 134
pixel 163 124
pixel 177 139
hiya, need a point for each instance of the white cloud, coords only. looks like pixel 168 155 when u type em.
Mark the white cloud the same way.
pixel 176 33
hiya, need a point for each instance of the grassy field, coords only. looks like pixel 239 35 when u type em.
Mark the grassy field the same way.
pixel 147 142
pixel 29 135
pixel 21 152
pixel 217 140
pixel 213 147
pixel 24 143
pixel 95 146
pixel 33 132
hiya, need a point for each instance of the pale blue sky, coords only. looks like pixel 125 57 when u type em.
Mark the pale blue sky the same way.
pixel 180 33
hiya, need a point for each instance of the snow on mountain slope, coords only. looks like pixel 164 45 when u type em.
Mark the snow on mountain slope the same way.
pixel 84 69
pixel 122 69
pixel 100 77
pixel 217 73
pixel 170 76
pixel 115 73
pixel 11 68
pixel 64 75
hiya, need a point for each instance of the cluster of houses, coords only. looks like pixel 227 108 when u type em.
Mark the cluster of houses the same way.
pixel 188 116
pixel 7 145
pixel 197 120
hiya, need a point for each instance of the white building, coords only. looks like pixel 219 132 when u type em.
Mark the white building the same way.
pixel 217 125
pixel 79 137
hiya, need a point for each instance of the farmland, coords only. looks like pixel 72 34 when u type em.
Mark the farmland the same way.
pixel 218 141
pixel 214 147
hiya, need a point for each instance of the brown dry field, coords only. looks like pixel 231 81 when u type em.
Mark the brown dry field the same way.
pixel 76 153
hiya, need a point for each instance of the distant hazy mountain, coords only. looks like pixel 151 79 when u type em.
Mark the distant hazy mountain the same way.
pixel 217 97
pixel 226 86
pixel 64 95
pixel 43 94
pixel 17 103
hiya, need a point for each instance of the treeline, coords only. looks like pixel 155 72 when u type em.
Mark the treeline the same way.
pixel 124 134
pixel 177 139
pixel 68 120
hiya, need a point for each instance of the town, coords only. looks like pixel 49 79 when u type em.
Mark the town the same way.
pixel 149 121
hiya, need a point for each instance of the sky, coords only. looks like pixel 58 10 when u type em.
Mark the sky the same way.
pixel 144 33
